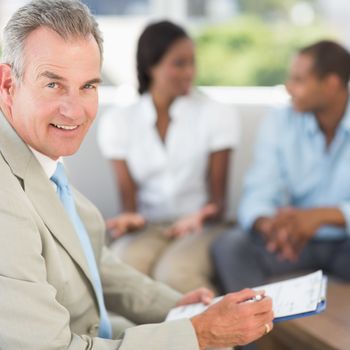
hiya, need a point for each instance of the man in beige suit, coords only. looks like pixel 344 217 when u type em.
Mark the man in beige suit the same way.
pixel 50 297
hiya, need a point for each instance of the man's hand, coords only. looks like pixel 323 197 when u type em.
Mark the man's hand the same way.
pixel 290 229
pixel 232 321
pixel 276 232
pixel 200 295
pixel 125 222
pixel 264 225
pixel 294 228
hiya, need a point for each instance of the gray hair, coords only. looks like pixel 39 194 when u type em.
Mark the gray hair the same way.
pixel 68 18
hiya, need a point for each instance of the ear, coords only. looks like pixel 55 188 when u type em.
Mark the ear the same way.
pixel 7 84
pixel 152 71
pixel 333 82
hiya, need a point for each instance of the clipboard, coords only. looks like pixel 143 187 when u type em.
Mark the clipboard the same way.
pixel 321 306
pixel 294 298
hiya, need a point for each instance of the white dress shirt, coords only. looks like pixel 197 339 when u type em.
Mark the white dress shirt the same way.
pixel 49 165
pixel 171 176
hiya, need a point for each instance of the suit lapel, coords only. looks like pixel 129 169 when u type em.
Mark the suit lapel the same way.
pixel 41 193
pixel 46 202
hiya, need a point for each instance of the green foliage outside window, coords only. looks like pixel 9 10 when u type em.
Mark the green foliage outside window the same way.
pixel 249 51
pixel 270 8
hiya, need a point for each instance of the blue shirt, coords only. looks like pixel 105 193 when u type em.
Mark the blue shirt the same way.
pixel 293 166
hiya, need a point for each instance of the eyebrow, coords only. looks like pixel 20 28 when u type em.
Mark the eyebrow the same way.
pixel 50 75
pixel 54 76
pixel 94 81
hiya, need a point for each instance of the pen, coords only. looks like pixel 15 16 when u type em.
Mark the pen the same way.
pixel 258 297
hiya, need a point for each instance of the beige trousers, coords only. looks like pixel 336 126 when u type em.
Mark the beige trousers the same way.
pixel 183 263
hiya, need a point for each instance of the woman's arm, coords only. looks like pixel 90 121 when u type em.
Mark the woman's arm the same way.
pixel 217 182
pixel 129 219
pixel 214 209
pixel 126 185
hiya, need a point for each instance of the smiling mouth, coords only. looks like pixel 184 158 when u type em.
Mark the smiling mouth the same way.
pixel 65 127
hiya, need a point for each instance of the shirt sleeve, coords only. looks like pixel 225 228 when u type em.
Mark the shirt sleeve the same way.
pixel 264 188
pixel 223 125
pixel 112 134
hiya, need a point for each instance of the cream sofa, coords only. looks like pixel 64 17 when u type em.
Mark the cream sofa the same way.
pixel 92 174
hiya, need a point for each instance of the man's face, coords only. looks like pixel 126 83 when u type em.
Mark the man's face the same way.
pixel 307 90
pixel 54 104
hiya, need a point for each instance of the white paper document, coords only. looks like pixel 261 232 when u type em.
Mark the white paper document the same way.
pixel 298 296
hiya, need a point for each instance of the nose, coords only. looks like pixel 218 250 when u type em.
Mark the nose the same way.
pixel 289 86
pixel 190 72
pixel 72 107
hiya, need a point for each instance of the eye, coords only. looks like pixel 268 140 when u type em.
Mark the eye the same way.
pixel 89 86
pixel 179 63
pixel 183 62
pixel 52 85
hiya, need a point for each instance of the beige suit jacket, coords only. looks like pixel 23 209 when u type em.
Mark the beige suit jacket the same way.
pixel 47 301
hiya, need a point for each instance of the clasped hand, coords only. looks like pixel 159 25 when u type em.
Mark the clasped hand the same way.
pixel 289 230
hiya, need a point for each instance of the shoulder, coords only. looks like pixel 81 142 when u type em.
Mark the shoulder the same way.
pixel 17 214
pixel 115 115
pixel 283 117
pixel 219 115
pixel 281 124
pixel 118 119
pixel 205 106
pixel 198 99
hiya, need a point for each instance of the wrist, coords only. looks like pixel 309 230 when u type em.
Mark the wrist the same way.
pixel 260 223
pixel 329 216
pixel 199 330
pixel 209 211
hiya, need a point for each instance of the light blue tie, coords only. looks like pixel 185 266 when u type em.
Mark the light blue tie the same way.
pixel 60 179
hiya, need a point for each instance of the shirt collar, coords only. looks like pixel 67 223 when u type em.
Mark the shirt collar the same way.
pixel 345 122
pixel 312 126
pixel 148 108
pixel 49 165
pixel 150 112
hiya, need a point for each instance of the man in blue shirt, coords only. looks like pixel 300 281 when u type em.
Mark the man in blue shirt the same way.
pixel 295 209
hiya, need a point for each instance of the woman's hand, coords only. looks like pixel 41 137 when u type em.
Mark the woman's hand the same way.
pixel 193 223
pixel 189 224
pixel 200 295
pixel 124 223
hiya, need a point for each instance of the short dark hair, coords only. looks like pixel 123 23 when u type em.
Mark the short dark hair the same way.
pixel 154 42
pixel 329 58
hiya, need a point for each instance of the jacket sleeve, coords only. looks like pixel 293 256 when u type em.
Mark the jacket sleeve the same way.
pixel 132 294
